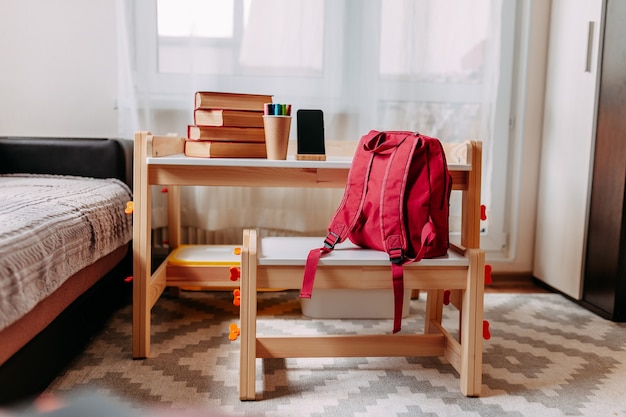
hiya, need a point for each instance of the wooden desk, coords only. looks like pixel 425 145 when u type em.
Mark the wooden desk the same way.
pixel 178 170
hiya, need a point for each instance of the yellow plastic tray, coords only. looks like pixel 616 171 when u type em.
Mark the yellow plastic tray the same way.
pixel 206 255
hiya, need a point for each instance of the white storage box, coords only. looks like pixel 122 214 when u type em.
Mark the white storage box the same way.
pixel 352 304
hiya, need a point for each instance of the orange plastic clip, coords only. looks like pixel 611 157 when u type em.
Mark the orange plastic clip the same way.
pixel 237 297
pixel 446 297
pixel 235 273
pixel 130 206
pixel 486 332
pixel 488 279
pixel 237 251
pixel 235 331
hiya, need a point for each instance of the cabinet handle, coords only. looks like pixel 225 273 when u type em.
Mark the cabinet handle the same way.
pixel 589 45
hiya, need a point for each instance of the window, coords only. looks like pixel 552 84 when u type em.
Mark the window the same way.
pixel 203 37
pixel 204 30
pixel 176 53
pixel 201 19
pixel 442 67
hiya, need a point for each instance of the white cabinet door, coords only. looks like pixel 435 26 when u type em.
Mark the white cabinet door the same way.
pixel 567 143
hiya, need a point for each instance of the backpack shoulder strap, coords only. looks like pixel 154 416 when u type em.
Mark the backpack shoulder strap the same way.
pixel 438 170
pixel 352 202
pixel 347 213
pixel 392 214
pixel 394 226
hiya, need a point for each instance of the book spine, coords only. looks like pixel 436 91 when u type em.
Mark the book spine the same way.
pixel 225 133
pixel 233 101
pixel 228 118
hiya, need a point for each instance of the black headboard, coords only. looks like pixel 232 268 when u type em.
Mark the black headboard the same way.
pixel 87 157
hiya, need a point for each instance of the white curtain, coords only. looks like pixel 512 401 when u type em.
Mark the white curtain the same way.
pixel 423 65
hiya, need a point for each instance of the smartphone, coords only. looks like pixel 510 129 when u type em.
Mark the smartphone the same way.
pixel 310 132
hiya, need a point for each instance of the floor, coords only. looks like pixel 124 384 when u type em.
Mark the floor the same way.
pixel 515 283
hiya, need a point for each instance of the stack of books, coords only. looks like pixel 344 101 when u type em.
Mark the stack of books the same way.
pixel 227 125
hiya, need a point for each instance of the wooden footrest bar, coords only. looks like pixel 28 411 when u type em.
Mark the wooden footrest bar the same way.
pixel 328 346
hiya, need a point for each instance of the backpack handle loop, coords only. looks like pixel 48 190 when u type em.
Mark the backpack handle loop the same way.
pixel 383 143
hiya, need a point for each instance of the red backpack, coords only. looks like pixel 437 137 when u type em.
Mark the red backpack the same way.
pixel 396 200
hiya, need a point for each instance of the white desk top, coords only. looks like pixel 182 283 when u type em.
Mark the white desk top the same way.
pixel 290 162
pixel 331 162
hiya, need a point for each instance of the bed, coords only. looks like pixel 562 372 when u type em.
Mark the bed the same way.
pixel 64 252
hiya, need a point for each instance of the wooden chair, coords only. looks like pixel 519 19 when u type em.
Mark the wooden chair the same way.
pixel 278 262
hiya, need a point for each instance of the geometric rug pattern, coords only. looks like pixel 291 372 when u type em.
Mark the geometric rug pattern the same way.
pixel 547 356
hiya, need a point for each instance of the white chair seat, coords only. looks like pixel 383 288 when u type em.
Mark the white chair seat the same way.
pixel 294 251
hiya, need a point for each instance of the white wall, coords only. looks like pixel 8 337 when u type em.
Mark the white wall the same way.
pixel 58 68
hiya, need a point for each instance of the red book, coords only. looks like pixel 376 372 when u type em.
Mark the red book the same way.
pixel 224 117
pixel 210 149
pixel 226 133
pixel 230 101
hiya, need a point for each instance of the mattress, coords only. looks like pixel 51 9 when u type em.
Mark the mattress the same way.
pixel 52 227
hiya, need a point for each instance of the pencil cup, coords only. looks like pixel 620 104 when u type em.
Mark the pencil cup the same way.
pixel 276 136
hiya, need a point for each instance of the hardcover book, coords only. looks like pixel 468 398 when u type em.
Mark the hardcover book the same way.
pixel 224 117
pixel 231 101
pixel 210 149
pixel 226 133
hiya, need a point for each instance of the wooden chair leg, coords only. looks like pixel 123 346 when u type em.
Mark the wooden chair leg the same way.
pixel 434 310
pixel 248 310
pixel 471 330
pixel 141 249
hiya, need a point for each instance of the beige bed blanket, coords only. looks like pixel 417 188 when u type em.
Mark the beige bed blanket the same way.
pixel 50 228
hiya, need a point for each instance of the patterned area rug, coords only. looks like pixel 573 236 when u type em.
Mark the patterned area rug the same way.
pixel 546 357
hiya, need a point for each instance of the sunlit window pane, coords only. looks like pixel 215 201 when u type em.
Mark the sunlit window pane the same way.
pixel 195 18
pixel 284 34
pixel 264 36
pixel 434 41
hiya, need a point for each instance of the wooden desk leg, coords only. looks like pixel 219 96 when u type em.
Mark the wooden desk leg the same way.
pixel 248 310
pixel 173 216
pixel 173 225
pixel 434 310
pixel 472 321
pixel 141 249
